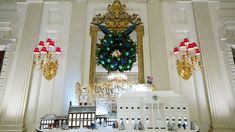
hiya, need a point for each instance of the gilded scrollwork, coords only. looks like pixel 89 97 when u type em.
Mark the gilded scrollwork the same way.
pixel 116 16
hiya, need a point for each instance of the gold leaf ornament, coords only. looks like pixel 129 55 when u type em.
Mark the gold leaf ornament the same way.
pixel 50 70
pixel 185 69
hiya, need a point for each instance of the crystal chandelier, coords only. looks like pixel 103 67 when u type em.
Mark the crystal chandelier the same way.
pixel 117 76
pixel 46 58
pixel 187 58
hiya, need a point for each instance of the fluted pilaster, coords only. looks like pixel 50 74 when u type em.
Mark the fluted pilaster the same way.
pixel 75 46
pixel 219 107
pixel 13 113
pixel 159 65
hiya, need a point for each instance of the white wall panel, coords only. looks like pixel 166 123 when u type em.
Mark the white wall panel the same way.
pixel 56 16
pixel 179 15
pixel 176 30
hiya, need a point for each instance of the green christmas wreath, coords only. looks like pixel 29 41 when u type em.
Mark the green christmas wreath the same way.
pixel 116 51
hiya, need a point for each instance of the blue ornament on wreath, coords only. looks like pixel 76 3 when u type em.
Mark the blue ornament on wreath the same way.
pixel 115 63
pixel 106 44
pixel 123 61
pixel 103 54
pixel 127 45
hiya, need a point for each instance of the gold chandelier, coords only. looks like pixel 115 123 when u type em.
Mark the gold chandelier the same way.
pixel 187 58
pixel 46 58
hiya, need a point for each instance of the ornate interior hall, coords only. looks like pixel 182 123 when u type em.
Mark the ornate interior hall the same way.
pixel 151 65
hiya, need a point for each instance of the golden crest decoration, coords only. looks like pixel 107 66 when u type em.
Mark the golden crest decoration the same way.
pixel 117 16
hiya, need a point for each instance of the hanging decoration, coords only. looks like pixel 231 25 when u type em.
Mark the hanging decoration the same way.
pixel 116 51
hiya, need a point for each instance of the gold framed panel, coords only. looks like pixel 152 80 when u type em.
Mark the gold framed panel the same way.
pixel 116 19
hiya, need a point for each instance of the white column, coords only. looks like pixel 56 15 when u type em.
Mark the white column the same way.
pixel 158 51
pixel 14 111
pixel 75 52
pixel 159 115
pixel 31 121
pixel 152 116
pixel 202 101
pixel 215 85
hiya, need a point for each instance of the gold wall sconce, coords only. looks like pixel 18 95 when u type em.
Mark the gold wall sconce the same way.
pixel 187 58
pixel 46 58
